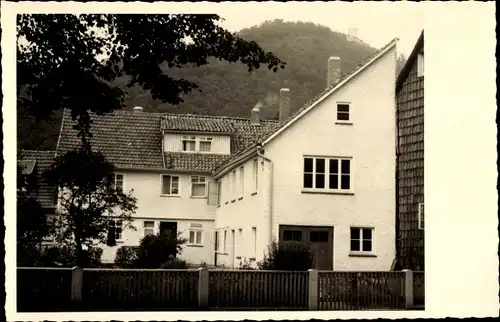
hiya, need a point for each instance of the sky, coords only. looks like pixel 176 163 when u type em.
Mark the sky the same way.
pixel 377 23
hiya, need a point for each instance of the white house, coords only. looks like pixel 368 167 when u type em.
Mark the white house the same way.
pixel 323 174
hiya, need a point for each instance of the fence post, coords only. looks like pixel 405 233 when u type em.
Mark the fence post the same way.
pixel 76 283
pixel 203 284
pixel 408 289
pixel 313 290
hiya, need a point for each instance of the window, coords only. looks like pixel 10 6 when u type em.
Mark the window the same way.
pixel 343 112
pixel 170 185
pixel 233 185
pixel 225 241
pixel 240 240
pixel 421 218
pixel 188 143
pixel 205 144
pixel 117 226
pixel 116 181
pixel 420 65
pixel 149 228
pixel 292 235
pixel 198 186
pixel 361 239
pixel 318 236
pixel 338 170
pixel 255 174
pixel 51 222
pixel 254 239
pixel 196 234
pixel 242 181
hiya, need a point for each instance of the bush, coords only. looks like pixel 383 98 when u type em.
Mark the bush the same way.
pixel 246 264
pixel 175 263
pixel 126 256
pixel 65 256
pixel 156 250
pixel 288 256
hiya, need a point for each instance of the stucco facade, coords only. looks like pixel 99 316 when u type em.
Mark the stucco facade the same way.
pixel 368 139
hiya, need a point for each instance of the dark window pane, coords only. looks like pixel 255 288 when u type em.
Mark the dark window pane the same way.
pixel 334 181
pixel 287 235
pixel 345 182
pixel 308 180
pixel 343 108
pixel 354 233
pixel 308 165
pixel 297 235
pixel 342 116
pixel 319 236
pixel 320 165
pixel 292 235
pixel 334 166
pixel 355 245
pixel 346 166
pixel 367 234
pixel 367 245
pixel 320 181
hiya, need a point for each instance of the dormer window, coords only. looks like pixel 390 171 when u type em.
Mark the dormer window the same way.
pixel 205 144
pixel 188 143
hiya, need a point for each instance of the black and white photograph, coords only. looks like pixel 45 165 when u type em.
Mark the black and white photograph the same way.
pixel 229 157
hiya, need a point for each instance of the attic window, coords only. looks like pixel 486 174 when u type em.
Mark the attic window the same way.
pixel 205 144
pixel 420 65
pixel 188 143
pixel 343 112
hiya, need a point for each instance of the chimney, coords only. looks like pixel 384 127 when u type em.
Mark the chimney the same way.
pixel 138 109
pixel 333 71
pixel 353 32
pixel 255 118
pixel 284 106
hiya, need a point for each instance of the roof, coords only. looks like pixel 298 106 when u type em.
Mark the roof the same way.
pixel 40 160
pixel 409 62
pixel 316 99
pixel 133 139
pixel 27 166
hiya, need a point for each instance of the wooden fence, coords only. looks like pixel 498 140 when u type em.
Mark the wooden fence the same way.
pixel 65 289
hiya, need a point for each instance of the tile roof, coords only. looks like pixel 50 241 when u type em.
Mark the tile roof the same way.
pixel 133 139
pixel 41 161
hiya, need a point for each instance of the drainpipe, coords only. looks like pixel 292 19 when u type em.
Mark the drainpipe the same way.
pixel 271 184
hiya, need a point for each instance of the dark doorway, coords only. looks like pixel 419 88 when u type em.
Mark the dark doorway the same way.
pixel 168 227
pixel 319 238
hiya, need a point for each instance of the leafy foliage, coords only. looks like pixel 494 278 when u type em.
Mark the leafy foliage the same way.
pixel 228 89
pixel 69 61
pixel 126 256
pixel 155 251
pixel 88 201
pixel 66 256
pixel 288 256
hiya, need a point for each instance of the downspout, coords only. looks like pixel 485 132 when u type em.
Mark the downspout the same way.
pixel 271 185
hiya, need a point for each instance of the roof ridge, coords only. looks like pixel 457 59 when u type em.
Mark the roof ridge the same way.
pixel 214 116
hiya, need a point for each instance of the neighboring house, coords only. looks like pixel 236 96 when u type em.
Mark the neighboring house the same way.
pixel 34 164
pixel 325 175
pixel 410 160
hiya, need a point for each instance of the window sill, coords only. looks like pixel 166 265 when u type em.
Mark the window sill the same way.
pixel 170 196
pixel 328 192
pixel 198 197
pixel 226 202
pixel 194 245
pixel 238 257
pixel 234 200
pixel 343 123
pixel 253 193
pixel 362 255
pixel 240 198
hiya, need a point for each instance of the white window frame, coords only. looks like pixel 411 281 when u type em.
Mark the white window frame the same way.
pixel 205 140
pixel 255 175
pixel 115 180
pixel 420 65
pixel 240 242
pixel 361 251
pixel 421 216
pixel 242 181
pixel 171 184
pixel 188 138
pixel 198 182
pixel 51 221
pixel 349 118
pixel 195 230
pixel 225 241
pixel 327 174
pixel 148 230
pixel 118 224
pixel 254 241
pixel 233 185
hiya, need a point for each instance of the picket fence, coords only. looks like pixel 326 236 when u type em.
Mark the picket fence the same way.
pixel 65 289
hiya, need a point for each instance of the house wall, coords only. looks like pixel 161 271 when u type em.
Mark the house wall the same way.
pixel 220 144
pixel 369 141
pixel 244 212
pixel 410 121
pixel 183 209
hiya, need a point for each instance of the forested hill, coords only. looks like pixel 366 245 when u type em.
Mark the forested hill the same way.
pixel 229 89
